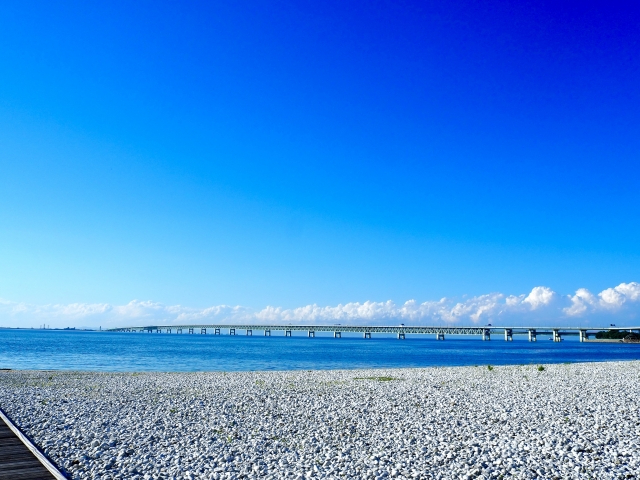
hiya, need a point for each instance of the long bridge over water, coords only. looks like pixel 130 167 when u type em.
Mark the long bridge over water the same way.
pixel 485 332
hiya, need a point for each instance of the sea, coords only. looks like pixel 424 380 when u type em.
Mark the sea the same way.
pixel 163 352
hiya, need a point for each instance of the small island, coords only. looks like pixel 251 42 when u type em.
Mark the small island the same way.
pixel 623 335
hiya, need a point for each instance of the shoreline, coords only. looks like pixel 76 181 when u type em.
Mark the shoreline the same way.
pixel 606 340
pixel 434 422
pixel 323 370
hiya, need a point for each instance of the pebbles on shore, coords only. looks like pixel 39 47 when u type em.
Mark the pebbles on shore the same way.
pixel 563 421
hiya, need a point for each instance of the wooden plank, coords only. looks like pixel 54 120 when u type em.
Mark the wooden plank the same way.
pixel 19 458
pixel 35 473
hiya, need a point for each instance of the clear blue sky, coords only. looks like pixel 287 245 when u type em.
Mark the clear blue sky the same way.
pixel 289 153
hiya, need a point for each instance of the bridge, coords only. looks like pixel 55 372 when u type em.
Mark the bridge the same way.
pixel 485 332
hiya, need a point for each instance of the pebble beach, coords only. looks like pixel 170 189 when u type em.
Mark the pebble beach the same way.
pixel 534 421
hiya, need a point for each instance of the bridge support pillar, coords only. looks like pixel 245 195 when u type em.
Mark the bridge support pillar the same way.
pixel 337 334
pixel 440 336
pixel 216 331
pixel 250 332
pixel 191 330
pixel 556 336
pixel 203 331
pixel 366 335
pixel 267 333
pixel 508 335
pixel 486 334
pixel 311 334
pixel 584 336
pixel 532 335
pixel 400 335
pixel 287 333
pixel 232 331
pixel 178 330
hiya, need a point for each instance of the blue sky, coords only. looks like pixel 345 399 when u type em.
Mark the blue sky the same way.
pixel 285 154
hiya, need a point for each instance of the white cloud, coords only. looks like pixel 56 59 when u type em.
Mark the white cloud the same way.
pixel 580 302
pixel 540 305
pixel 610 298
pixel 80 310
pixel 630 290
pixel 623 299
pixel 540 297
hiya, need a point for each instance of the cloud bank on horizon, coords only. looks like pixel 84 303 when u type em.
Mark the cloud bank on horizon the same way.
pixel 540 306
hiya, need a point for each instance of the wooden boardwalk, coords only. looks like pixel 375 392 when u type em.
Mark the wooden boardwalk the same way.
pixel 17 462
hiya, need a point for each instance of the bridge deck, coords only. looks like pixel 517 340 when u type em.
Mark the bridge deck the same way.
pixel 402 329
pixel 485 332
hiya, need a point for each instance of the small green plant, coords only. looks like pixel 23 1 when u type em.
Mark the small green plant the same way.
pixel 489 367
pixel 540 368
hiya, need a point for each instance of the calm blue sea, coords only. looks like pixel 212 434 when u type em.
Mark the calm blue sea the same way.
pixel 75 350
